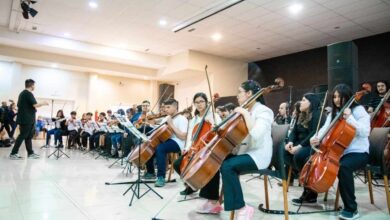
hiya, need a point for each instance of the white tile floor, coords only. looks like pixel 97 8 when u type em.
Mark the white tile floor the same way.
pixel 75 189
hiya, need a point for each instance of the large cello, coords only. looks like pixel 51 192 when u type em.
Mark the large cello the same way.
pixel 219 143
pixel 199 130
pixel 320 171
pixel 158 135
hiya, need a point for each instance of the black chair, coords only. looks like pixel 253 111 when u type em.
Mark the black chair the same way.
pixel 277 168
pixel 378 141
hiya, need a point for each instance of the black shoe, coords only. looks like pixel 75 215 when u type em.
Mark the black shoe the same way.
pixel 187 191
pixel 306 201
pixel 60 145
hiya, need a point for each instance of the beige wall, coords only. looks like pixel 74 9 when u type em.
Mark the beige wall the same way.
pixel 88 91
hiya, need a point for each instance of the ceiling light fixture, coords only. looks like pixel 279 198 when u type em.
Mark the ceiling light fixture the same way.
pixel 163 22
pixel 54 65
pixel 93 4
pixel 216 36
pixel 67 34
pixel 207 12
pixel 295 8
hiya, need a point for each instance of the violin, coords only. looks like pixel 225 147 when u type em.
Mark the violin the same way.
pixel 219 142
pixel 320 171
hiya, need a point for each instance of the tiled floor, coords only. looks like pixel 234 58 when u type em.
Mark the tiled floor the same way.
pixel 75 189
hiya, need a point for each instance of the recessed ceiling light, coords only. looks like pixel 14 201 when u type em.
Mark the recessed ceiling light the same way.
pixel 163 22
pixel 54 65
pixel 93 4
pixel 67 34
pixel 295 8
pixel 216 36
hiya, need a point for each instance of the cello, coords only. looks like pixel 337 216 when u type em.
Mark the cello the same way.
pixel 320 171
pixel 381 115
pixel 220 142
pixel 156 136
pixel 199 130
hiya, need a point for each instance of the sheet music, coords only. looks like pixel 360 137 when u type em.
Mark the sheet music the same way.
pixel 127 124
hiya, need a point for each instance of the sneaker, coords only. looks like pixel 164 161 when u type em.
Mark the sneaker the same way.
pixel 149 176
pixel 245 213
pixel 187 191
pixel 33 156
pixel 15 157
pixel 307 201
pixel 209 208
pixel 348 215
pixel 160 182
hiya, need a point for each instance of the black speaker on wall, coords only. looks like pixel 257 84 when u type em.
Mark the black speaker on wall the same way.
pixel 166 91
pixel 343 64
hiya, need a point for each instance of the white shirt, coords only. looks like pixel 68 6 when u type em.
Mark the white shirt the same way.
pixel 181 123
pixel 72 126
pixel 258 144
pixel 196 120
pixel 360 120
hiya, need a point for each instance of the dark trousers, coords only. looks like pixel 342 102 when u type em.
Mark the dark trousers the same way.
pixel 298 161
pixel 73 138
pixel 169 146
pixel 54 132
pixel 230 171
pixel 10 127
pixel 210 190
pixel 26 135
pixel 84 138
pixel 94 140
pixel 348 164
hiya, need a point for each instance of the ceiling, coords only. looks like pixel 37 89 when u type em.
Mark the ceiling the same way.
pixel 252 30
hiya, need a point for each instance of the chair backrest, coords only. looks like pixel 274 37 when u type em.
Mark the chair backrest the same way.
pixel 378 139
pixel 279 134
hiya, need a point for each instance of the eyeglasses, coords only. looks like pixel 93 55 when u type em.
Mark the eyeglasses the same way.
pixel 199 102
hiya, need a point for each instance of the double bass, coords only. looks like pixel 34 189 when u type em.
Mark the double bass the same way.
pixel 158 135
pixel 219 142
pixel 320 171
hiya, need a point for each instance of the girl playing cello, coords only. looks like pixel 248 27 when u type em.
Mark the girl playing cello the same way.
pixel 355 155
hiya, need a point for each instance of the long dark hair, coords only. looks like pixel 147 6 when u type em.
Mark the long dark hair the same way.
pixel 345 94
pixel 305 118
pixel 203 96
pixel 253 86
pixel 62 113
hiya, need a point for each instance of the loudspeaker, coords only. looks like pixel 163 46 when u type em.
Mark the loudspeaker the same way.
pixel 166 91
pixel 343 65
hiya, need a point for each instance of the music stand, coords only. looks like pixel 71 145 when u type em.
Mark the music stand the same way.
pixel 58 153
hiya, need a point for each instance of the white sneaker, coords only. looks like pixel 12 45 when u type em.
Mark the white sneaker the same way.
pixel 209 208
pixel 33 156
pixel 15 157
pixel 245 213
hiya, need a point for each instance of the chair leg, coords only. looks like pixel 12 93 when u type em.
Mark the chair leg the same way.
pixel 289 177
pixel 285 201
pixel 220 199
pixel 326 196
pixel 232 215
pixel 386 182
pixel 336 202
pixel 370 186
pixel 170 158
pixel 266 191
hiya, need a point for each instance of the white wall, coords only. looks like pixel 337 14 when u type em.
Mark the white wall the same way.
pixel 88 92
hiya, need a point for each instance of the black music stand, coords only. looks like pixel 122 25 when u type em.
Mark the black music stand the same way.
pixel 135 185
pixel 58 153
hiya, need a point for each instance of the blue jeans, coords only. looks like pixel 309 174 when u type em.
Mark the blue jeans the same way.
pixel 116 140
pixel 49 133
pixel 169 146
